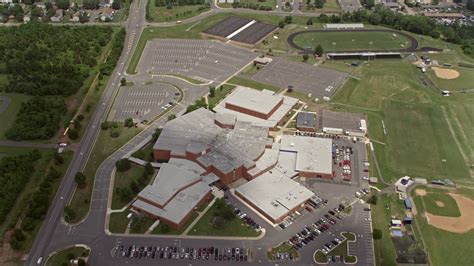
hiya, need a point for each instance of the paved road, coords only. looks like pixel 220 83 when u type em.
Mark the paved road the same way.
pixel 52 222
pixel 54 235
pixel 22 144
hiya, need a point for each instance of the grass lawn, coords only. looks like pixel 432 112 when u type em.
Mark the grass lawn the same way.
pixel 62 257
pixel 270 3
pixel 330 6
pixel 163 14
pixel 252 84
pixel 340 250
pixel 145 153
pixel 141 224
pixel 191 80
pixel 283 248
pixel 104 146
pixel 163 229
pixel 443 247
pixel 123 180
pixel 9 115
pixel 413 117
pixel 118 222
pixel 221 93
pixel 450 206
pixel 235 227
pixel 339 41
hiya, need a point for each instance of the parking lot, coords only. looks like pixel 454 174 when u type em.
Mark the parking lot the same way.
pixel 206 60
pixel 143 101
pixel 140 252
pixel 303 77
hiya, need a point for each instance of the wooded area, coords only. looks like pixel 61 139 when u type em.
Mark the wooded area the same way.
pixel 51 63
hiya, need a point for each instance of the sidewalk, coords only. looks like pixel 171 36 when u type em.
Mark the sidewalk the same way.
pixel 199 216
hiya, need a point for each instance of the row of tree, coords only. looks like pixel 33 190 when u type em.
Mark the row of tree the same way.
pixel 179 2
pixel 15 172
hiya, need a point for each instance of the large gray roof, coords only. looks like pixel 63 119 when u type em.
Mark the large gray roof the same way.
pixel 179 206
pixel 274 193
pixel 225 149
pixel 169 180
pixel 312 154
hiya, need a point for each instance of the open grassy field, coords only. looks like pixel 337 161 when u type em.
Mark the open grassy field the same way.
pixel 235 227
pixel 337 41
pixel 163 14
pixel 390 91
pixel 464 81
pixel 8 116
pixel 252 84
pixel 443 247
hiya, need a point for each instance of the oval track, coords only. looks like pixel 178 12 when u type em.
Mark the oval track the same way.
pixel 413 42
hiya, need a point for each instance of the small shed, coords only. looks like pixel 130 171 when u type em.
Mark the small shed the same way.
pixel 408 204
pixel 408 220
pixel 395 223
pixel 373 180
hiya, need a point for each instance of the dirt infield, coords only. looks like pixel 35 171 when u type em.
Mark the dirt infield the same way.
pixel 439 204
pixel 420 192
pixel 444 73
pixel 460 224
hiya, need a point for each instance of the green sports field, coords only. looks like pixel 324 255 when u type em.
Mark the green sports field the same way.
pixel 433 197
pixel 339 41
pixel 443 247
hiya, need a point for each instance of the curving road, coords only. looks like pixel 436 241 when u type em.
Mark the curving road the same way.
pixel 54 235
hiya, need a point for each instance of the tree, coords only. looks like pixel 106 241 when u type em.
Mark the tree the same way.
pixel 58 159
pixel 149 168
pixel 134 187
pixel 319 3
pixel 73 133
pixel 81 262
pixel 63 4
pixel 69 214
pixel 80 179
pixel 318 50
pixel 117 4
pixel 309 21
pixel 288 19
pixel 305 57
pixel 377 233
pixel 435 34
pixel 156 134
pixel 470 5
pixel 372 200
pixel 114 133
pixel 212 92
pixel 90 4
pixel 19 235
pixel 171 117
pixel 123 81
pixel 281 24
pixel 123 165
pixel 105 125
pixel 129 122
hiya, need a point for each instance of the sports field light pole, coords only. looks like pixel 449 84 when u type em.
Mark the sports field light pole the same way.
pixel 370 48
pixel 334 49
